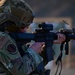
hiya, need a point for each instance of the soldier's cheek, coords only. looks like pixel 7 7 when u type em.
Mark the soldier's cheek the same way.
pixel 2 2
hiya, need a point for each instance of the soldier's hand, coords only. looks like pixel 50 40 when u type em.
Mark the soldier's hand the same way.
pixel 61 38
pixel 37 46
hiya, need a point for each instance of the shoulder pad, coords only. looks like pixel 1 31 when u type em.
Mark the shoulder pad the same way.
pixel 3 39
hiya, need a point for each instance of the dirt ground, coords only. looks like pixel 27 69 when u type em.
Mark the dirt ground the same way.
pixel 65 71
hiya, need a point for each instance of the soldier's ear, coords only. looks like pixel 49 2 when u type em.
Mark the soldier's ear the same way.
pixel 2 2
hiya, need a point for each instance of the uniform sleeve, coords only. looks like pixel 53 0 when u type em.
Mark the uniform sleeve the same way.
pixel 32 59
pixel 10 56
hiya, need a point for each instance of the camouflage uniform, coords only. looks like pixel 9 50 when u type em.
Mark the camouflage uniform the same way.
pixel 11 61
pixel 9 54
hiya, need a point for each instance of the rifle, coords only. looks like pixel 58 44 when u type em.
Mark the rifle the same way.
pixel 44 34
pixel 70 35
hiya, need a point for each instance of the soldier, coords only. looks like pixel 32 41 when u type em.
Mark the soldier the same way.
pixel 15 57
pixel 15 15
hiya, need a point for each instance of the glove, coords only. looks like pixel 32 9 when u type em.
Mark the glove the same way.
pixel 49 65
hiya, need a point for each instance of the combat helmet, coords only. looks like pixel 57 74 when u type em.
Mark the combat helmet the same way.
pixel 16 11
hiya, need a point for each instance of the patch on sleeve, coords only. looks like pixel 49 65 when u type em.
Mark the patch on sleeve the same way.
pixel 11 48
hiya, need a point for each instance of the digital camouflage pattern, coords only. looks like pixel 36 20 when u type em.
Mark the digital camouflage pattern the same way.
pixel 32 59
pixel 10 57
pixel 19 12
